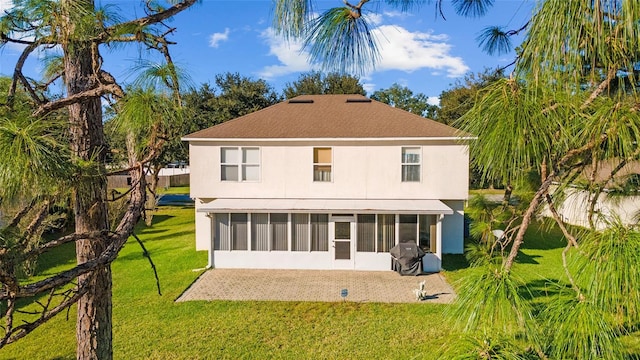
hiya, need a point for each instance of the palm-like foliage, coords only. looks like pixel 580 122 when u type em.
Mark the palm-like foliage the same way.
pixel 573 41
pixel 290 17
pixel 484 346
pixel 167 78
pixel 144 111
pixel 579 329
pixel 490 300
pixel 515 140
pixel 495 40
pixel 472 7
pixel 609 269
pixel 33 158
pixel 340 39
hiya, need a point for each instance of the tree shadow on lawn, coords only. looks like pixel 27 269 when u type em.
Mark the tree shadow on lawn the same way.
pixel 453 262
pixel 540 236
pixel 149 231
pixel 523 258
pixel 59 256
pixel 543 289
pixel 160 218
pixel 171 235
pixel 138 253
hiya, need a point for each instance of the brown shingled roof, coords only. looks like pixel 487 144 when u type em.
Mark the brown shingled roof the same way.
pixel 327 116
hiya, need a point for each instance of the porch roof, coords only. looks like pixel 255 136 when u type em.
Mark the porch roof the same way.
pixel 358 206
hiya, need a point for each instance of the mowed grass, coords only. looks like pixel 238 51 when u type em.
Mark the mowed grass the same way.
pixel 175 190
pixel 149 326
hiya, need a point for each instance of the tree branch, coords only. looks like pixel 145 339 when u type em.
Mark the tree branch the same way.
pixel 18 76
pixel 21 214
pixel 544 188
pixel 63 240
pixel 6 39
pixel 14 334
pixel 356 10
pixel 79 97
pixel 570 238
pixel 611 74
pixel 145 21
pixel 146 254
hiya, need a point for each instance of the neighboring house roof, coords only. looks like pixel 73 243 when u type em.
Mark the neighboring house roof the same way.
pixel 328 116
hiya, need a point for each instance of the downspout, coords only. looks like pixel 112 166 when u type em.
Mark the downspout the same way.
pixel 211 216
pixel 439 240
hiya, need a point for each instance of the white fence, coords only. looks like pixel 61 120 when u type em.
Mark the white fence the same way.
pixel 575 209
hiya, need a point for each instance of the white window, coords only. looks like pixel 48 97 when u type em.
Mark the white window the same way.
pixel 410 164
pixel 321 164
pixel 240 164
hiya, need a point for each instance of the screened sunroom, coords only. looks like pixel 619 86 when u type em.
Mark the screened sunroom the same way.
pixel 311 239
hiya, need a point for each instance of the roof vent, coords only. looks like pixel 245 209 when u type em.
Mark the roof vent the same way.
pixel 301 101
pixel 362 100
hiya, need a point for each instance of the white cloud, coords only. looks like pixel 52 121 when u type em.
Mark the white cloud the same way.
pixel 399 49
pixel 5 5
pixel 289 54
pixel 434 100
pixel 408 51
pixel 373 18
pixel 216 38
pixel 398 14
pixel 370 88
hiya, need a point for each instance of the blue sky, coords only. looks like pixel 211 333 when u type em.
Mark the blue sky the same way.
pixel 419 49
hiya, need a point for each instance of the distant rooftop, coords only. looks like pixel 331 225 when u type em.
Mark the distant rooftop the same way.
pixel 327 116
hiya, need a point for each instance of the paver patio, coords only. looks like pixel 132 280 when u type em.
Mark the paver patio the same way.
pixel 315 285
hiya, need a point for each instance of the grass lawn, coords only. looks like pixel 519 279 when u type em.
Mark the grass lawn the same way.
pixel 149 326
pixel 175 190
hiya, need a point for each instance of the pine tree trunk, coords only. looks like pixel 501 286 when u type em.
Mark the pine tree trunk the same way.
pixel 153 198
pixel 93 327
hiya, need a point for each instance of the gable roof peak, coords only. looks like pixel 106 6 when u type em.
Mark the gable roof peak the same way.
pixel 333 116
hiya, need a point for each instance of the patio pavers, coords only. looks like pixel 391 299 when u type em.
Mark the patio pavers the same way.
pixel 315 285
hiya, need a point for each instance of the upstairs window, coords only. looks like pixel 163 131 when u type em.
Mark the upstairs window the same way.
pixel 240 164
pixel 321 164
pixel 410 164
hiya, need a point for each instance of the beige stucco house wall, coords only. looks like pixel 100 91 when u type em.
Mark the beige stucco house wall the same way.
pixel 369 175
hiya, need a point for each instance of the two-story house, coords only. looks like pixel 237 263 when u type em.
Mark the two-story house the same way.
pixel 327 182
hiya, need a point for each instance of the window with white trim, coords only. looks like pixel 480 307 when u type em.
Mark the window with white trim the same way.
pixel 410 164
pixel 240 164
pixel 321 164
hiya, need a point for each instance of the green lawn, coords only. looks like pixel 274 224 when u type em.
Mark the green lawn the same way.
pixel 149 326
pixel 175 190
